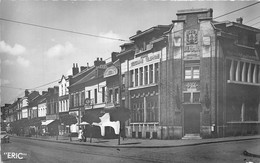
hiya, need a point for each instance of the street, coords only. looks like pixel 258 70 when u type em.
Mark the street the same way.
pixel 44 151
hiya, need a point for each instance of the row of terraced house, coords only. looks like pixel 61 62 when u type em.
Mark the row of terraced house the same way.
pixel 194 77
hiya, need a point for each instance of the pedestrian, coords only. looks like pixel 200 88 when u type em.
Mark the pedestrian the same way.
pixel 85 134
pixel 80 138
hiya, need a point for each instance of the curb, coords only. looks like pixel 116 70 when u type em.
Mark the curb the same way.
pixel 145 146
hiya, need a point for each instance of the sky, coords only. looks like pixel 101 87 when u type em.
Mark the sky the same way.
pixel 33 56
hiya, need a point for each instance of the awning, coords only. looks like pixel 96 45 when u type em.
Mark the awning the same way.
pixel 83 123
pixel 47 122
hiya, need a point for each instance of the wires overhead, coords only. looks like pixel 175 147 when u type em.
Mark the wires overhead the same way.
pixel 63 30
pixel 236 10
pixel 252 19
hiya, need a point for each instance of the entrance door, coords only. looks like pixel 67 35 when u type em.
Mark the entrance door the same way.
pixel 192 118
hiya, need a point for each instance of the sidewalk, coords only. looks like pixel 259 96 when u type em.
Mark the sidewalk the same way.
pixel 147 143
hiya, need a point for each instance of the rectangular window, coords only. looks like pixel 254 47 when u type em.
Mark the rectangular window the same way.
pixel 72 100
pixel 79 98
pixel 95 96
pixel 146 75
pixel 187 97
pixel 196 97
pixel 103 94
pixel 116 96
pixel 89 94
pixel 141 76
pixel 131 78
pixel 196 72
pixel 110 96
pixel 188 73
pixel 136 77
pixel 156 72
pixel 192 71
pixel 123 80
pixel 150 74
pixel 82 98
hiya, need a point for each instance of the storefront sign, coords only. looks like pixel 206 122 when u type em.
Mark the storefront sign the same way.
pixel 146 59
pixel 241 55
pixel 110 71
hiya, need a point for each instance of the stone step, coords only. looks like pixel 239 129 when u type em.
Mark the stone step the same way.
pixel 191 136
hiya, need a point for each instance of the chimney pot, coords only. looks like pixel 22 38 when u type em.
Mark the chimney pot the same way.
pixel 138 32
pixel 239 20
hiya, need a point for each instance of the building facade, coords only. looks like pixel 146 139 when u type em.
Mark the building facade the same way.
pixel 181 81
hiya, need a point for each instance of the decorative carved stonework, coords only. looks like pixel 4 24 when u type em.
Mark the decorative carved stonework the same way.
pixel 191 86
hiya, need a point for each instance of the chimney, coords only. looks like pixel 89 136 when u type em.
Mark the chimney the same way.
pixel 26 93
pixel 56 89
pixel 99 62
pixel 114 56
pixel 44 92
pixel 87 65
pixel 138 32
pixel 82 68
pixel 239 20
pixel 75 69
pixel 200 13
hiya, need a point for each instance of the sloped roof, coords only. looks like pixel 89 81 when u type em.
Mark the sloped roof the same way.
pixel 159 27
pixel 96 73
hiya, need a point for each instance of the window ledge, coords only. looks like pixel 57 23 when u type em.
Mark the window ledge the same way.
pixel 191 80
pixel 239 122
pixel 143 86
pixel 144 123
pixel 243 83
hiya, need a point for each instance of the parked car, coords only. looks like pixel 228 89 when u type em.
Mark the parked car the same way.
pixel 4 137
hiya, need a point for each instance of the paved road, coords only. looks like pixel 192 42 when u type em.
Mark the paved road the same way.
pixel 48 152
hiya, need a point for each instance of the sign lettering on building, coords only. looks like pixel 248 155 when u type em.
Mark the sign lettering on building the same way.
pixel 110 71
pixel 145 59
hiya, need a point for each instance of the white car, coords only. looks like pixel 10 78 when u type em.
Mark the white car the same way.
pixel 4 137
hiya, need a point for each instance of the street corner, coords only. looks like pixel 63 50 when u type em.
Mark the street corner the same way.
pixel 9 155
pixel 253 152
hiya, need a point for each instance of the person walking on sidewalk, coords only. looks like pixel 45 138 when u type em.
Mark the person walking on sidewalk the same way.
pixel 80 135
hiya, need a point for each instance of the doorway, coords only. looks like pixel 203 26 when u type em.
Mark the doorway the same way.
pixel 192 118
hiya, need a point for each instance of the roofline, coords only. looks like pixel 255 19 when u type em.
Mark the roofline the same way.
pixel 148 31
pixel 125 52
pixel 192 11
pixel 130 43
pixel 85 70
pixel 243 26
